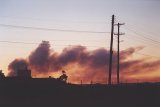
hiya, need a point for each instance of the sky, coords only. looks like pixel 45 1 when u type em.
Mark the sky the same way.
pixel 141 18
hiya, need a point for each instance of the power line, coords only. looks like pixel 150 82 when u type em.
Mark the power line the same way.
pixel 144 37
pixel 142 30
pixel 143 54
pixel 141 41
pixel 51 19
pixel 146 55
pixel 51 29
pixel 16 42
pixel 62 40
pixel 141 33
pixel 31 43
pixel 58 40
pixel 148 33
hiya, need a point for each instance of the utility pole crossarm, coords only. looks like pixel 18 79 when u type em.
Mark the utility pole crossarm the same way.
pixel 119 24
pixel 119 34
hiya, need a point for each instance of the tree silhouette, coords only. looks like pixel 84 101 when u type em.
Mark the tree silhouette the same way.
pixel 63 77
pixel 1 74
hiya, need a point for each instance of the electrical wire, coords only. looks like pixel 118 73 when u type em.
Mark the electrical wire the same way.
pixel 143 39
pixel 146 55
pixel 146 38
pixel 17 42
pixel 51 29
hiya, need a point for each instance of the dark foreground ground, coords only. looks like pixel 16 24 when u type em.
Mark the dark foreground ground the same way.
pixel 16 92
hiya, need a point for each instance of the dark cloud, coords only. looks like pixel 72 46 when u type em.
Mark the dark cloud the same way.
pixel 89 64
pixel 99 58
pixel 17 64
pixel 71 55
pixel 39 59
pixel 42 60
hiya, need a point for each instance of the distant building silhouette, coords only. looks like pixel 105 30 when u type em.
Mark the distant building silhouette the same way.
pixel 1 74
pixel 24 73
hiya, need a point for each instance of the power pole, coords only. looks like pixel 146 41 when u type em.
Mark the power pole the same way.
pixel 111 51
pixel 118 34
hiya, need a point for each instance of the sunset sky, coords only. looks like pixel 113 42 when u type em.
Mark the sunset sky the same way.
pixel 19 36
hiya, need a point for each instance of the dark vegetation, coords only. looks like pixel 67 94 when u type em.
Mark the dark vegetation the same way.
pixel 50 92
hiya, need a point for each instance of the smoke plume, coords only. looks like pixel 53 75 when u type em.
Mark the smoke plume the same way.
pixel 82 64
pixel 17 64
